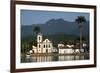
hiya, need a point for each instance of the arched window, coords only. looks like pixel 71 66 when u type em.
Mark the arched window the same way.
pixel 44 46
pixel 49 45
pixel 39 37
pixel 39 45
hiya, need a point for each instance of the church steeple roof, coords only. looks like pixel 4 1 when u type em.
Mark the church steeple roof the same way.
pixel 47 40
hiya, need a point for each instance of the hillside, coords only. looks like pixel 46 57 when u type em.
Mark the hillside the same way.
pixel 55 26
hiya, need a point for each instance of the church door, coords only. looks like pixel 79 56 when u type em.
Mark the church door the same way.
pixel 46 50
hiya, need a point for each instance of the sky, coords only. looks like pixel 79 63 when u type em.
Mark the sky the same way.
pixel 29 17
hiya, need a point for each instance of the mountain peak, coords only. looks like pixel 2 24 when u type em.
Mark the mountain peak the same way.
pixel 60 19
pixel 55 21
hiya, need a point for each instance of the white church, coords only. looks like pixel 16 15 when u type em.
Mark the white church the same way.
pixel 43 46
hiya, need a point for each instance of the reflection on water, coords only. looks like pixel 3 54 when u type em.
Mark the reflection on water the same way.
pixel 53 58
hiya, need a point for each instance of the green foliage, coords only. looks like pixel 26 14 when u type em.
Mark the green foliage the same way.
pixel 83 38
pixel 26 44
pixel 25 47
pixel 36 29
pixel 80 20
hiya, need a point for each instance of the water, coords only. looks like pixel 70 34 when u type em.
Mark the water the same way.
pixel 53 58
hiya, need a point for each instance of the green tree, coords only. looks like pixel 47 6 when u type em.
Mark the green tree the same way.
pixel 80 20
pixel 36 29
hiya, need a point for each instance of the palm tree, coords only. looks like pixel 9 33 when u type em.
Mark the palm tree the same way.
pixel 80 20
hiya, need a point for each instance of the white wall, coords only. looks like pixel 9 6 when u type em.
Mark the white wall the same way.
pixel 5 36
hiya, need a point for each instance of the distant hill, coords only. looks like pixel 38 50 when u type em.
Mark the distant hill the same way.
pixel 56 26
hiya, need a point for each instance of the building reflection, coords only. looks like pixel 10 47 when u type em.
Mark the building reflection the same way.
pixel 54 58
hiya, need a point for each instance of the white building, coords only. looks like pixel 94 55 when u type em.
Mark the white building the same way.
pixel 77 50
pixel 69 46
pixel 66 50
pixel 34 49
pixel 42 46
pixel 47 46
pixel 60 45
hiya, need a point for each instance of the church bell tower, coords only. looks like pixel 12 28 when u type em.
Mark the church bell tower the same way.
pixel 39 38
pixel 39 43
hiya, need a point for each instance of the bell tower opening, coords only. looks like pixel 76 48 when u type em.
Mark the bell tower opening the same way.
pixel 39 38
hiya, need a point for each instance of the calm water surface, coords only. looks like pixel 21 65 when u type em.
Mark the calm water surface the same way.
pixel 25 59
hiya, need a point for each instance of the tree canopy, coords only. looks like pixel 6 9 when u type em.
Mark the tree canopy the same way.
pixel 36 29
pixel 80 20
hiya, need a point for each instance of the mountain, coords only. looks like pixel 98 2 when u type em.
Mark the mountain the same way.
pixel 56 26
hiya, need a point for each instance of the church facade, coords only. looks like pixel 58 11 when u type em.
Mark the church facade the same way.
pixel 43 46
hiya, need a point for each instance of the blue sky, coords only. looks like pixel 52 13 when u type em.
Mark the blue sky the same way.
pixel 29 17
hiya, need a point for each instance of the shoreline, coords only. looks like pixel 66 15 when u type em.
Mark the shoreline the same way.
pixel 54 54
